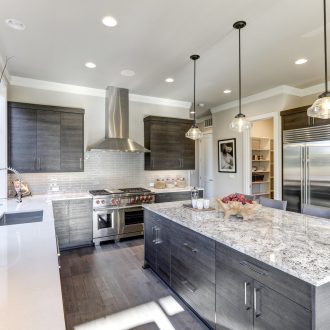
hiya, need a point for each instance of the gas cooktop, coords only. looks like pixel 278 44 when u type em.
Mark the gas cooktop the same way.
pixel 134 190
pixel 104 192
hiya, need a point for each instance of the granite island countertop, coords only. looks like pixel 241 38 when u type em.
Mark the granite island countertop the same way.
pixel 294 243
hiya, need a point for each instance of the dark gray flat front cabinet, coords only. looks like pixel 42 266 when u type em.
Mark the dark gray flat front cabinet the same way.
pixel 72 142
pixel 276 312
pixel 234 299
pixel 45 138
pixel 22 139
pixel 73 222
pixel 193 271
pixel 157 245
pixel 175 196
pixel 170 149
pixel 48 141
pixel 242 302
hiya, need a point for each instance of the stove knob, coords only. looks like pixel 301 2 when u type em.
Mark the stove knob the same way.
pixel 132 200
pixel 97 201
pixel 137 199
pixel 103 201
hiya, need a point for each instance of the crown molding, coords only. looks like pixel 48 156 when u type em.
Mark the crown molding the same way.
pixel 80 90
pixel 279 90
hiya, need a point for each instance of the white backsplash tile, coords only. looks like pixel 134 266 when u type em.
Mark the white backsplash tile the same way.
pixel 102 170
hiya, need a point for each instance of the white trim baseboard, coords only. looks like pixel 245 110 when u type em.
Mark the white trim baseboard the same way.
pixel 81 90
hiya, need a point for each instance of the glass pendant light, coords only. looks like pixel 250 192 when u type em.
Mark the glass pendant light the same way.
pixel 321 107
pixel 240 123
pixel 194 132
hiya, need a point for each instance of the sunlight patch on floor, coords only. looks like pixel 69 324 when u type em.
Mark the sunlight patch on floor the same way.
pixel 137 316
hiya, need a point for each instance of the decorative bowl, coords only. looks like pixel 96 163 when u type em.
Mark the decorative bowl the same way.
pixel 245 210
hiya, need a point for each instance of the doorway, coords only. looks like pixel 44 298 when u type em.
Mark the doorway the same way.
pixel 262 157
pixel 206 179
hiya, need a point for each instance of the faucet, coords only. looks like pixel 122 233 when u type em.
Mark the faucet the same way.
pixel 19 192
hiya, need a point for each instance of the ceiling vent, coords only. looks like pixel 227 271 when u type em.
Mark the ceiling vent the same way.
pixel 208 123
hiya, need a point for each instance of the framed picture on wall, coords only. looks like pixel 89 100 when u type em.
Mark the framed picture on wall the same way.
pixel 227 156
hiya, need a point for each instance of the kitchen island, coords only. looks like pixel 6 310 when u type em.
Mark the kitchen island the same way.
pixel 272 272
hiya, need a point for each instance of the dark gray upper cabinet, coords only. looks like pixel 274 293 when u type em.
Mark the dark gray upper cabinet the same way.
pixel 170 149
pixel 22 139
pixel 72 142
pixel 45 138
pixel 175 196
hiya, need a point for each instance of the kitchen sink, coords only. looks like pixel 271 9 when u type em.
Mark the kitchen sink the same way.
pixel 16 218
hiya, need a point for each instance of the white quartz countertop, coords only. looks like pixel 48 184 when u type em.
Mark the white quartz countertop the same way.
pixel 171 190
pixel 294 243
pixel 30 287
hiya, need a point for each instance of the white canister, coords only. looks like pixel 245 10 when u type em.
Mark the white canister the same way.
pixel 200 203
pixel 194 203
pixel 206 203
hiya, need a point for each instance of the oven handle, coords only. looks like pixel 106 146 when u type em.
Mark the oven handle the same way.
pixel 132 209
pixel 104 211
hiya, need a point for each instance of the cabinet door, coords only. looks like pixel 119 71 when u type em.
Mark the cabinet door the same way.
pixel 22 139
pixel 72 142
pixel 165 160
pixel 163 251
pixel 62 225
pixel 80 222
pixel 234 299
pixel 276 312
pixel 193 271
pixel 48 141
pixel 149 240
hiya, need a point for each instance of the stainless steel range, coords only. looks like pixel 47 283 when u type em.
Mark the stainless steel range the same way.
pixel 118 213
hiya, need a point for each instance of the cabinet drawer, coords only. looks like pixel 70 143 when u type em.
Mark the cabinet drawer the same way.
pixel 195 290
pixel 194 251
pixel 285 284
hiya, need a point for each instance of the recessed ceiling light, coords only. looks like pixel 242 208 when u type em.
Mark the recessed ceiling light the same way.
pixel 90 65
pixel 301 61
pixel 127 73
pixel 109 21
pixel 201 105
pixel 227 91
pixel 169 80
pixel 15 24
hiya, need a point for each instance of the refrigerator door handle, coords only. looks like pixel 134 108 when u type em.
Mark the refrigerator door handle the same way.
pixel 302 176
pixel 308 181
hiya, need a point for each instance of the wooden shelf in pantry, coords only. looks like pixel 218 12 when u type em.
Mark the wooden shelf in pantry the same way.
pixel 253 182
pixel 263 193
pixel 260 171
pixel 261 160
pixel 260 149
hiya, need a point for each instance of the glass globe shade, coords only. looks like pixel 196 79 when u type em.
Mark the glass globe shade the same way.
pixel 194 133
pixel 320 108
pixel 240 124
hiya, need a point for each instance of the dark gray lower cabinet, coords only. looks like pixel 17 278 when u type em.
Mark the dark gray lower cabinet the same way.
pixel 73 222
pixel 175 196
pixel 228 289
pixel 157 242
pixel 244 303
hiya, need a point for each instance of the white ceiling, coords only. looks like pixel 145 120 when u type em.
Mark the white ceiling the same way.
pixel 155 39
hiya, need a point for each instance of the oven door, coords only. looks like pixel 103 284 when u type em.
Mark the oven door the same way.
pixel 105 223
pixel 131 220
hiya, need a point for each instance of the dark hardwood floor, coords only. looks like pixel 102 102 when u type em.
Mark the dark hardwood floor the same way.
pixel 108 284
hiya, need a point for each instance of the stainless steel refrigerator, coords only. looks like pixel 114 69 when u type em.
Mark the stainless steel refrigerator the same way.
pixel 306 167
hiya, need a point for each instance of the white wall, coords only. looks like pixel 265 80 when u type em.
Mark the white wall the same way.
pixel 95 110
pixel 262 128
pixel 228 183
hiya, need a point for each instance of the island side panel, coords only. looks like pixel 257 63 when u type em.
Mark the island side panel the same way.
pixel 321 307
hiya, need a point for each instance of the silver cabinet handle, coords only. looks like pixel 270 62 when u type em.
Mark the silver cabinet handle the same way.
pixel 188 286
pixel 154 235
pixel 80 163
pixel 58 253
pixel 182 162
pixel 39 163
pixel 186 245
pixel 35 163
pixel 152 163
pixel 257 311
pixel 246 304
pixel 254 268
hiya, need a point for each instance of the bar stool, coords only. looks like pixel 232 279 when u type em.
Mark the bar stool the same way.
pixel 316 211
pixel 273 203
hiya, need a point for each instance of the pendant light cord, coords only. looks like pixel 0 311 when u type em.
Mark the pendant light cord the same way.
pixel 325 45
pixel 194 92
pixel 239 73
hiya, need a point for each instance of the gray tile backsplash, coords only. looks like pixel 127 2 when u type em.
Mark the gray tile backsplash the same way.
pixel 102 170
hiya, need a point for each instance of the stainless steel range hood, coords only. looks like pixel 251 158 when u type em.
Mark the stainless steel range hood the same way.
pixel 116 124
